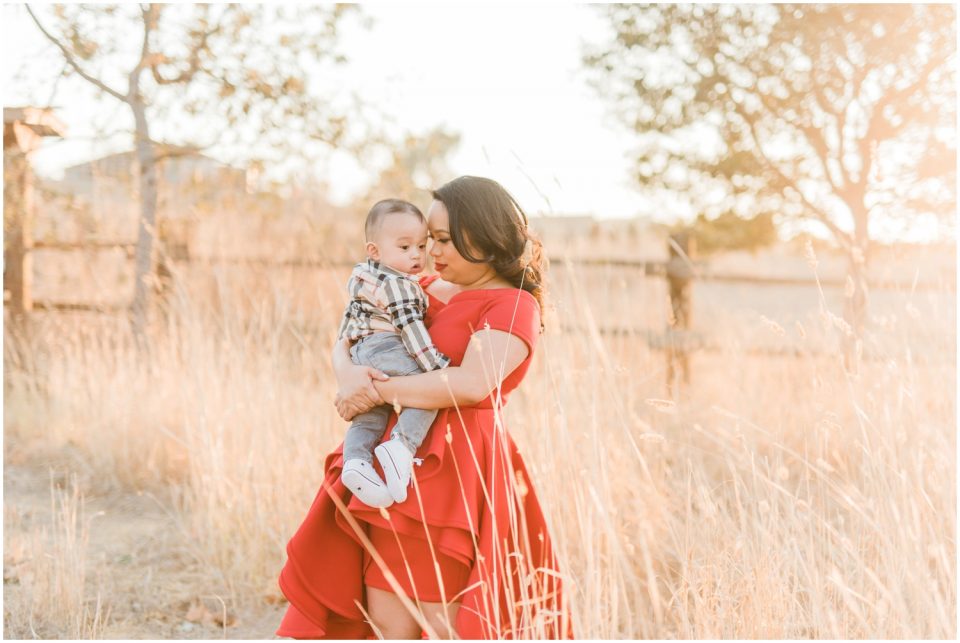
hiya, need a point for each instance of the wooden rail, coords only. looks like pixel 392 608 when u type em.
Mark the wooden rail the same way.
pixel 700 270
pixel 677 342
pixel 85 245
pixel 76 306
pixel 697 342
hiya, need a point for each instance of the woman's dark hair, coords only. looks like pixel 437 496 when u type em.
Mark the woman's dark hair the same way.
pixel 484 217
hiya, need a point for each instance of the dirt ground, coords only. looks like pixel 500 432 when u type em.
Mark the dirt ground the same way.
pixel 151 585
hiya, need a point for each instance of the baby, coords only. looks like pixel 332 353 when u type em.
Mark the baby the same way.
pixel 385 320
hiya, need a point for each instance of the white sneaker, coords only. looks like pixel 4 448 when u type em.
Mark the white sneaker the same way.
pixel 362 480
pixel 397 463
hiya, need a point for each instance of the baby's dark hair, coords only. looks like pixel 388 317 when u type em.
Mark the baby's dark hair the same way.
pixel 381 209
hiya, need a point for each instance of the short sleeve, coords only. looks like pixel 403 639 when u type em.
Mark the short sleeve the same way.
pixel 515 312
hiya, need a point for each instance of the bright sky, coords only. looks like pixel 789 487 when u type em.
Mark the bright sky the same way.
pixel 510 80
pixel 507 78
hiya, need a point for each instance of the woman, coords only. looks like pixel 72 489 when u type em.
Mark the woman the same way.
pixel 469 546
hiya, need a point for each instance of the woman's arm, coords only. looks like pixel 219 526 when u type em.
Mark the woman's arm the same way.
pixel 354 383
pixel 491 356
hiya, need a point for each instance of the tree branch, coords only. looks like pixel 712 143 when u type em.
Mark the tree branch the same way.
pixel 773 107
pixel 72 62
pixel 876 125
pixel 194 58
pixel 815 140
pixel 147 16
pixel 815 136
pixel 846 187
pixel 822 153
pixel 829 108
pixel 857 79
pixel 841 236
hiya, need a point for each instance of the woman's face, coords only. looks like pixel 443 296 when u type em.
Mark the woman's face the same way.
pixel 448 263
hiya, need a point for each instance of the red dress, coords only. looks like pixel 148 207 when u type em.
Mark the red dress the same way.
pixel 473 510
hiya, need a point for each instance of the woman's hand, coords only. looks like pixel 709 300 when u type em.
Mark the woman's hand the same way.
pixel 356 392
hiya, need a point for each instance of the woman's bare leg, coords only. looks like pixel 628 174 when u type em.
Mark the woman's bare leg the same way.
pixel 441 618
pixel 391 617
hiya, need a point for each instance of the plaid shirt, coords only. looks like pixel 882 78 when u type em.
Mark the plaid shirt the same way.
pixel 384 300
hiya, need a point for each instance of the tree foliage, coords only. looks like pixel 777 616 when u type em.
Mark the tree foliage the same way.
pixel 231 75
pixel 418 164
pixel 256 81
pixel 731 232
pixel 836 113
pixel 833 112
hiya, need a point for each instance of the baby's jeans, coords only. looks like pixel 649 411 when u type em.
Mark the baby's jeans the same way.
pixel 385 351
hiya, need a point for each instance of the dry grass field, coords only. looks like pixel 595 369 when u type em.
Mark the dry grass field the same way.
pixel 776 496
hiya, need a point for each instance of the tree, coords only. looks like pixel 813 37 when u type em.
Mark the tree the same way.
pixel 214 74
pixel 418 164
pixel 838 114
pixel 731 232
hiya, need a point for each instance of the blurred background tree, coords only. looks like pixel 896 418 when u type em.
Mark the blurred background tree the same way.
pixel 838 114
pixel 417 165
pixel 728 231
pixel 228 75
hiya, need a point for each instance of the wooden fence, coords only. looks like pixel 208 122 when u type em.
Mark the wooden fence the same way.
pixel 680 271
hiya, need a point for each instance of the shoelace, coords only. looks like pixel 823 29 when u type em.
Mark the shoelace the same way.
pixel 418 462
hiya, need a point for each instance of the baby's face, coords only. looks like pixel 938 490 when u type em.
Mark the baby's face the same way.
pixel 401 243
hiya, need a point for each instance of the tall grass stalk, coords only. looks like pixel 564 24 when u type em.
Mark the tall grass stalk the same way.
pixel 778 497
pixel 49 563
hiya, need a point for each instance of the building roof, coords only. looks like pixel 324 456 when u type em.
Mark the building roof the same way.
pixel 163 151
pixel 39 119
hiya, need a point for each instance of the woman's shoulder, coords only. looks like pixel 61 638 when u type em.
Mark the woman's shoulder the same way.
pixel 518 297
pixel 514 303
pixel 515 294
pixel 514 311
pixel 500 298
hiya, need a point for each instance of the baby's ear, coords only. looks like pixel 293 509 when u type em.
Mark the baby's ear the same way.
pixel 373 251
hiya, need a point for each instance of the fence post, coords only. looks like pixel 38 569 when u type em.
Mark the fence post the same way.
pixel 23 130
pixel 173 246
pixel 18 231
pixel 681 247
